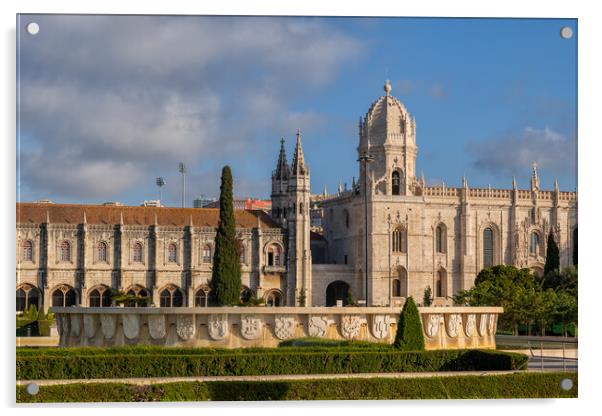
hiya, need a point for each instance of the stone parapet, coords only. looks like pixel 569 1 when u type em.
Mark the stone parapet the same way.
pixel 238 327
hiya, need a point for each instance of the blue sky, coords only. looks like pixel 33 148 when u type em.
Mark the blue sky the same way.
pixel 108 103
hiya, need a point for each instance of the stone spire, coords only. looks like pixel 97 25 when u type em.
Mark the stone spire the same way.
pixel 514 183
pixel 298 167
pixel 464 182
pixel 534 178
pixel 282 170
pixel 556 188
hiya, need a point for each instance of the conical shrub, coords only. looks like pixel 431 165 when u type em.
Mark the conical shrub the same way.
pixel 409 335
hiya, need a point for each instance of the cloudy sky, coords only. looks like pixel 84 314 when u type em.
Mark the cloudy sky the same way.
pixel 109 103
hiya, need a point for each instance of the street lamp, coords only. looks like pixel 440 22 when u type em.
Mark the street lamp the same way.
pixel 365 158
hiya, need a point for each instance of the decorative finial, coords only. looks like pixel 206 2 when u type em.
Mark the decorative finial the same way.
pixel 388 88
pixel 282 141
pixel 514 182
pixel 464 181
pixel 556 188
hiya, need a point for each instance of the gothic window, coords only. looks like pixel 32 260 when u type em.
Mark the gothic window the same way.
pixel 400 237
pixel 137 253
pixel 171 297
pixel 100 297
pixel 396 288
pixel 206 253
pixel 27 254
pixel 487 247
pixel 140 292
pixel 101 252
pixel 402 275
pixel 346 218
pixel 439 288
pixel 171 253
pixel 274 255
pixel 63 296
pixel 27 295
pixel 534 245
pixel 245 294
pixel 300 207
pixel 396 183
pixel 200 298
pixel 273 298
pixel 440 239
pixel 65 251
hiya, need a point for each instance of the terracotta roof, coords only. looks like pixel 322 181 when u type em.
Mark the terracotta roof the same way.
pixel 102 214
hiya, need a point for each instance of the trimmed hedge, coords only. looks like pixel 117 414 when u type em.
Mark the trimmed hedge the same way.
pixel 519 385
pixel 48 365
pixel 409 335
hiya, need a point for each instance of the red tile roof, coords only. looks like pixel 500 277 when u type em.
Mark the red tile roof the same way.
pixel 102 214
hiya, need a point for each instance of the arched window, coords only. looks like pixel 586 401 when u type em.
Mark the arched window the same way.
pixel 100 297
pixel 139 292
pixel 273 298
pixel 441 283
pixel 245 294
pixel 206 253
pixel 300 207
pixel 65 251
pixel 440 239
pixel 396 183
pixel 171 297
pixel 27 295
pixel 200 298
pixel 487 247
pixel 396 288
pixel 274 255
pixel 27 254
pixel 402 275
pixel 63 296
pixel 101 251
pixel 534 243
pixel 171 253
pixel 137 253
pixel 400 240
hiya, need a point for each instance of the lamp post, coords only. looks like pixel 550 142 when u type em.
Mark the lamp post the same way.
pixel 365 158
pixel 182 170
pixel 389 222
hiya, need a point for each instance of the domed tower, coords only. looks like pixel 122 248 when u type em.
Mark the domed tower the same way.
pixel 388 134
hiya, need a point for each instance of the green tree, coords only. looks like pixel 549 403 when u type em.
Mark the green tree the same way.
pixel 350 300
pixel 552 256
pixel 427 297
pixel 543 308
pixel 225 280
pixel 565 311
pixel 409 335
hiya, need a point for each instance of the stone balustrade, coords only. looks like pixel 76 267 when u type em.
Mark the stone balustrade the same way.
pixel 236 327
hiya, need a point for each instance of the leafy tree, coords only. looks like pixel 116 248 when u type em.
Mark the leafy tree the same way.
pixel 543 308
pixel 225 281
pixel 427 298
pixel 552 256
pixel 409 335
pixel 350 300
pixel 565 310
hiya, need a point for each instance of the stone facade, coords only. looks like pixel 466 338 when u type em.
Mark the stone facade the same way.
pixel 417 236
pixel 444 328
pixel 441 237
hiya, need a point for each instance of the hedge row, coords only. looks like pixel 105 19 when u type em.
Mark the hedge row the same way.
pixel 267 362
pixel 519 385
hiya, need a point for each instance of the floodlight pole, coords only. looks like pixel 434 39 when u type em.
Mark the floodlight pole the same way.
pixel 182 170
pixel 365 158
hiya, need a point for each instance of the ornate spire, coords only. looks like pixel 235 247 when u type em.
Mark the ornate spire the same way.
pixel 556 188
pixel 464 182
pixel 282 170
pixel 514 182
pixel 298 167
pixel 534 178
pixel 325 191
pixel 387 88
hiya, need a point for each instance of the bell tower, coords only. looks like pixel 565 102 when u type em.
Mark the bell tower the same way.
pixel 298 225
pixel 279 196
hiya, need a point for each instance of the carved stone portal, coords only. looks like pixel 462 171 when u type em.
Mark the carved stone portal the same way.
pixel 284 327
pixel 350 326
pixel 317 326
pixel 250 327
pixel 217 326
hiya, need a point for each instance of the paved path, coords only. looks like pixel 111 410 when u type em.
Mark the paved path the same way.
pixel 158 380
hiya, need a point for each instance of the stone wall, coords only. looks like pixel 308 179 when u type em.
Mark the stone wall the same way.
pixel 234 327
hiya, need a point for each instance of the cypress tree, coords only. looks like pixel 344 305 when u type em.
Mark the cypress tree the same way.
pixel 409 335
pixel 225 280
pixel 552 256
